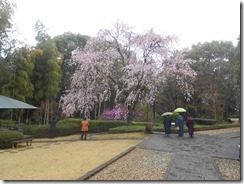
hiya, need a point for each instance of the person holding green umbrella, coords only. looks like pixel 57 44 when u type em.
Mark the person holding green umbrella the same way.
pixel 167 124
pixel 180 124
pixel 180 120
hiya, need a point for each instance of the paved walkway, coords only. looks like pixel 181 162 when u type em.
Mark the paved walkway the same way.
pixel 193 157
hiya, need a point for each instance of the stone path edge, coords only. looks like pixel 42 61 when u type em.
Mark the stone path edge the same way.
pixel 217 168
pixel 102 166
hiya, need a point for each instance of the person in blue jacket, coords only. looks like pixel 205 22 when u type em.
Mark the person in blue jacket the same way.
pixel 180 124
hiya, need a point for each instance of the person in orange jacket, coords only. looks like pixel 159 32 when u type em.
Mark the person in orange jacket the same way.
pixel 84 128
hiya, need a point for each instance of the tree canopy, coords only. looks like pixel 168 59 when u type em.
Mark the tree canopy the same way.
pixel 120 58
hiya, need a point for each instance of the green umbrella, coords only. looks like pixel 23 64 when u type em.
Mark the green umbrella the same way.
pixel 167 114
pixel 180 110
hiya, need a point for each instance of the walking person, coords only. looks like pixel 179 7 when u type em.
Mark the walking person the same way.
pixel 167 125
pixel 84 129
pixel 180 124
pixel 190 124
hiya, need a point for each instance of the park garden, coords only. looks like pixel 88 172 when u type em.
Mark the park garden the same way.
pixel 120 80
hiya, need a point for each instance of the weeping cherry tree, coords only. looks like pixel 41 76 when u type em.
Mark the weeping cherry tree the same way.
pixel 139 60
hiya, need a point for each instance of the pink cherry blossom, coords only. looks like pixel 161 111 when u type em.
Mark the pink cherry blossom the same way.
pixel 129 63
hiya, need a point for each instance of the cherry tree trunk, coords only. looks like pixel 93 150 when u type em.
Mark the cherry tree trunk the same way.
pixel 130 110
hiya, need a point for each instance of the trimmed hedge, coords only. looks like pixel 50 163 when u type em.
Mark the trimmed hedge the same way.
pixel 202 121
pixel 216 126
pixel 37 130
pixel 7 136
pixel 95 126
pixel 126 129
pixel 71 126
pixel 134 123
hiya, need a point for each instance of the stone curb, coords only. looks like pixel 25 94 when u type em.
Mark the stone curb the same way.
pixel 99 168
pixel 217 169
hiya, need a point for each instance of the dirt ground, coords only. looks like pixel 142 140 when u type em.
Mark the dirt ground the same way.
pixel 63 158
pixel 68 158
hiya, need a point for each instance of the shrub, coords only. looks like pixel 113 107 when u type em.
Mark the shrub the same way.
pixel 37 130
pixel 126 129
pixel 7 136
pixel 217 126
pixel 134 123
pixel 42 131
pixel 202 121
pixel 94 125
pixel 136 127
pixel 67 129
pixel 71 126
pixel 104 126
pixel 119 113
pixel 8 124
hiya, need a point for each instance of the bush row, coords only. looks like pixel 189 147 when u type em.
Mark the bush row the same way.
pixel 202 121
pixel 7 136
pixel 72 126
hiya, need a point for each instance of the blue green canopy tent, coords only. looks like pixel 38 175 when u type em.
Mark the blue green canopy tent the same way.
pixel 10 103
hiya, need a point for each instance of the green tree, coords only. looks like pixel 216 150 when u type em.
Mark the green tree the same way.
pixel 237 76
pixel 47 74
pixel 6 12
pixel 22 66
pixel 214 88
pixel 66 43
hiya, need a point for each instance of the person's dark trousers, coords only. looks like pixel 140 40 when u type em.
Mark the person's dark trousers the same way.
pixel 83 134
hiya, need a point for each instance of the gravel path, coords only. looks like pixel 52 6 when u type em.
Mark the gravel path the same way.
pixel 230 169
pixel 142 164
pixel 139 164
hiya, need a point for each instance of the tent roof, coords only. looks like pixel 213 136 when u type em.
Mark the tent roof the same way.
pixel 10 103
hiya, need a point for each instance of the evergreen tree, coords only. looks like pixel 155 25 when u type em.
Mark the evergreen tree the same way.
pixel 47 74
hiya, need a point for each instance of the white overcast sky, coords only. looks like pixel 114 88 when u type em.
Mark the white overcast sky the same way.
pixel 192 21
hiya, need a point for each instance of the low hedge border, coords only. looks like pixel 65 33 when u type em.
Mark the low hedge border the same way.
pixel 71 126
pixel 202 121
pixel 7 136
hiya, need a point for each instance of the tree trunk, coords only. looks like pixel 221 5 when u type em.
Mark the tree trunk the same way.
pixel 154 111
pixel 147 112
pixel 95 110
pixel 99 108
pixel 130 111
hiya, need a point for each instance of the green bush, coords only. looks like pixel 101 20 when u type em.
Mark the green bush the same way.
pixel 202 121
pixel 37 130
pixel 216 126
pixel 126 129
pixel 135 123
pixel 136 127
pixel 41 131
pixel 67 129
pixel 8 124
pixel 104 125
pixel 94 125
pixel 7 136
pixel 71 126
